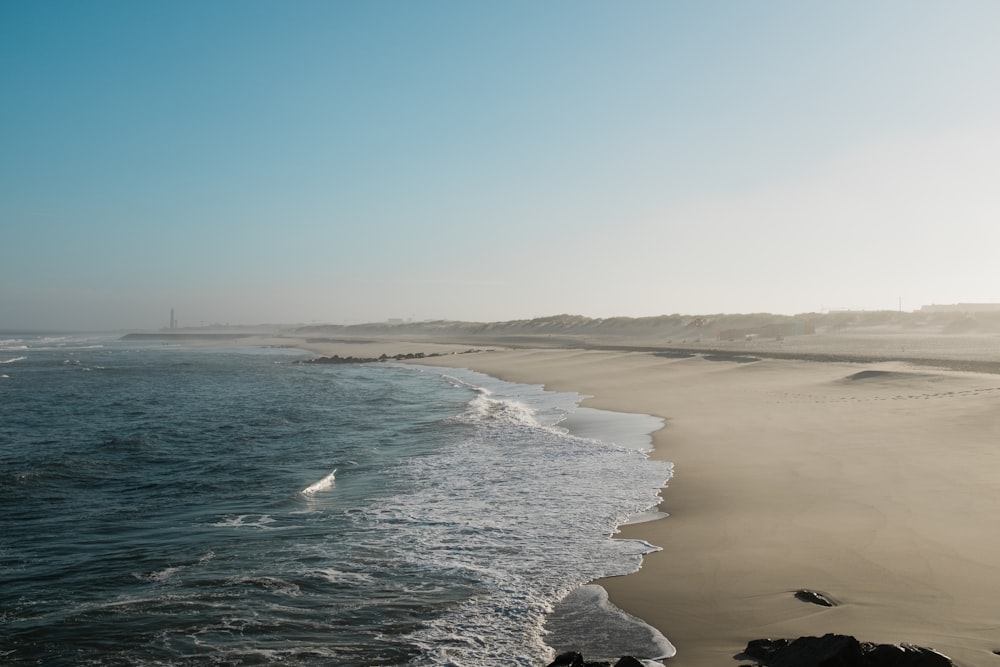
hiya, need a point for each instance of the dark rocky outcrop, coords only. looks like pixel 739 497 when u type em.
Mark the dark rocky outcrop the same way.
pixel 574 659
pixel 337 359
pixel 832 650
pixel 761 649
pixel 628 661
pixel 904 655
pixel 814 597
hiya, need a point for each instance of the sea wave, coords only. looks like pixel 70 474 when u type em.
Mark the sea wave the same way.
pixel 50 343
pixel 449 541
pixel 504 412
pixel 7 344
pixel 486 408
pixel 321 485
pixel 262 522
pixel 334 576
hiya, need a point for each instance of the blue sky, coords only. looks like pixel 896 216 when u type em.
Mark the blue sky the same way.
pixel 247 161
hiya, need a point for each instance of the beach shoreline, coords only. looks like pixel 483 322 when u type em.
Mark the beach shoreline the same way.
pixel 870 482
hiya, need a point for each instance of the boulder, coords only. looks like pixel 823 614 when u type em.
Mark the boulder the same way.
pixel 762 649
pixel 574 659
pixel 827 651
pixel 832 650
pixel 567 659
pixel 813 597
pixel 629 661
pixel 905 655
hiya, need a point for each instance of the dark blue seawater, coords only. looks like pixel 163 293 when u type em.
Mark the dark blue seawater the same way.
pixel 163 505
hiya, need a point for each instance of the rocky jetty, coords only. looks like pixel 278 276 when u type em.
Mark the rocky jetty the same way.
pixel 832 650
pixel 337 359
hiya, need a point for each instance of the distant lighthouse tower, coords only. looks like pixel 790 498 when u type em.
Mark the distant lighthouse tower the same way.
pixel 173 322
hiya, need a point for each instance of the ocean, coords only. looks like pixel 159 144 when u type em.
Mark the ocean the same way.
pixel 184 505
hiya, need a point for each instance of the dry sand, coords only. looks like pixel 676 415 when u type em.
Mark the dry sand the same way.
pixel 881 491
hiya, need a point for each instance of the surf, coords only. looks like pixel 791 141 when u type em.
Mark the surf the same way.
pixel 321 485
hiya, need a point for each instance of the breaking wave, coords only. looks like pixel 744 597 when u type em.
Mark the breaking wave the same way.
pixel 321 485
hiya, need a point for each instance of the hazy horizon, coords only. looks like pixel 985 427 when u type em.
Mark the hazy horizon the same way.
pixel 252 162
pixel 864 318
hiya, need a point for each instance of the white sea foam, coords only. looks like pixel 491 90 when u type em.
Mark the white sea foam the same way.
pixel 321 485
pixel 499 411
pixel 458 382
pixel 262 522
pixel 527 512
pixel 273 584
pixel 49 343
pixel 12 360
pixel 507 412
pixel 335 576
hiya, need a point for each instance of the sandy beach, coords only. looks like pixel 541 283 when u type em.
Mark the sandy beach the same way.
pixel 875 484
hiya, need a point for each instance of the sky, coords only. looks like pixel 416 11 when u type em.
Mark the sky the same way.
pixel 247 161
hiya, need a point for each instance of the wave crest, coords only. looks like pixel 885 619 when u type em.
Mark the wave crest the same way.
pixel 503 412
pixel 321 485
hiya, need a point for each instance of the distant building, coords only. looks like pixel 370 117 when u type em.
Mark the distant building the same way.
pixel 961 308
